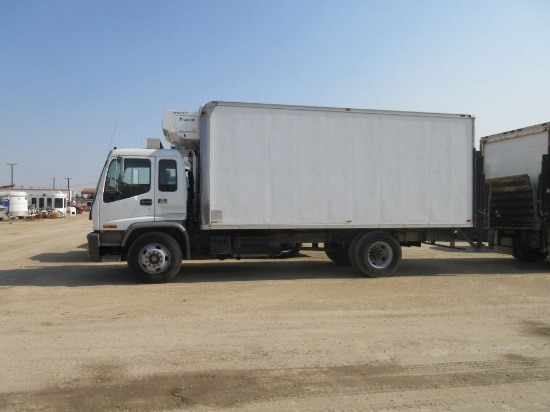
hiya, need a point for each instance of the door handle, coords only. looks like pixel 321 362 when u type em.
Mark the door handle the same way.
pixel 146 202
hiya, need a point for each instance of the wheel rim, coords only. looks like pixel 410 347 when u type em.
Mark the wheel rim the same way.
pixel 154 258
pixel 380 255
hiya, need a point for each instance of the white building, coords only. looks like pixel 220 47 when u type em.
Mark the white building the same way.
pixel 46 198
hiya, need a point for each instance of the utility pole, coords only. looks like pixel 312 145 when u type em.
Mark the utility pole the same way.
pixel 11 164
pixel 68 189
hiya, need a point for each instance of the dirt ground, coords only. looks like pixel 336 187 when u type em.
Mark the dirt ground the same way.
pixel 453 330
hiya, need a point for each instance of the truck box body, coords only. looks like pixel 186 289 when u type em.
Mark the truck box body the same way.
pixel 517 183
pixel 297 167
pixel 516 152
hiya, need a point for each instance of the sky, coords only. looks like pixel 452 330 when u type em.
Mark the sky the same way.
pixel 79 77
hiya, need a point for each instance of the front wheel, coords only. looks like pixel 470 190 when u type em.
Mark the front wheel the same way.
pixel 154 258
pixel 376 254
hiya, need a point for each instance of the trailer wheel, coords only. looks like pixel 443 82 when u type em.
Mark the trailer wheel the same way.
pixel 289 250
pixel 528 254
pixel 337 255
pixel 376 254
pixel 154 258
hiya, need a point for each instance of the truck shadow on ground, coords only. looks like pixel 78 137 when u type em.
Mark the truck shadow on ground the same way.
pixel 116 274
pixel 266 270
pixel 67 257
pixel 68 276
pixel 250 270
pixel 467 266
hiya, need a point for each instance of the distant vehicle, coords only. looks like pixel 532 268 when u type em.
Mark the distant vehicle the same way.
pixel 517 173
pixel 263 179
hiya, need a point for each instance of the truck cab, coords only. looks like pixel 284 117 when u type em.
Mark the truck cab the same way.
pixel 140 185
pixel 138 189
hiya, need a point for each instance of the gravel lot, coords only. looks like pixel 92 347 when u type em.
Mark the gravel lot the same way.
pixel 454 330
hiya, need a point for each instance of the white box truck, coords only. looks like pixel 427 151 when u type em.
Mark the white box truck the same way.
pixel 517 176
pixel 250 180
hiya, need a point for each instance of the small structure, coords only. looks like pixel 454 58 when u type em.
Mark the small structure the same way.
pixel 48 201
pixel 35 203
pixel 14 204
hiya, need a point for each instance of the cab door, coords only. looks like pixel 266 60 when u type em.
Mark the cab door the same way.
pixel 171 190
pixel 128 194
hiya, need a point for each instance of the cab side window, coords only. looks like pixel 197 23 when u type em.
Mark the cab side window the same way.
pixel 168 178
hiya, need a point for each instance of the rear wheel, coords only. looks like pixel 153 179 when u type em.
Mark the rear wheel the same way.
pixel 154 258
pixel 351 250
pixel 289 250
pixel 338 255
pixel 376 254
pixel 528 254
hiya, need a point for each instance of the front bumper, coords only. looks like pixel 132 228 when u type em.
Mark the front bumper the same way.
pixel 93 247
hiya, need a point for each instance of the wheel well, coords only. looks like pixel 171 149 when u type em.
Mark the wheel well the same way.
pixel 345 238
pixel 175 233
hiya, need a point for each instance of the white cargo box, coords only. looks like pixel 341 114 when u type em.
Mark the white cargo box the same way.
pixel 296 167
pixel 516 152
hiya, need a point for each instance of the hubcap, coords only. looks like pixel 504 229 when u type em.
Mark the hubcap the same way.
pixel 154 258
pixel 380 255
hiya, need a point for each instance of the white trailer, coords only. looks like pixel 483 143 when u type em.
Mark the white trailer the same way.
pixel 254 179
pixel 517 173
pixel 48 200
pixel 16 204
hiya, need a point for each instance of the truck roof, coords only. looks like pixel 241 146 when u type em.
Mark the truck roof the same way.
pixel 146 152
pixel 524 131
pixel 208 108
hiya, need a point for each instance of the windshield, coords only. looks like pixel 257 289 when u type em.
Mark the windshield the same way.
pixel 127 177
pixel 97 186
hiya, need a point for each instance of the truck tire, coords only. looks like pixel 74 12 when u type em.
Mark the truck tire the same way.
pixel 338 255
pixel 528 254
pixel 154 258
pixel 376 254
pixel 351 250
pixel 289 250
